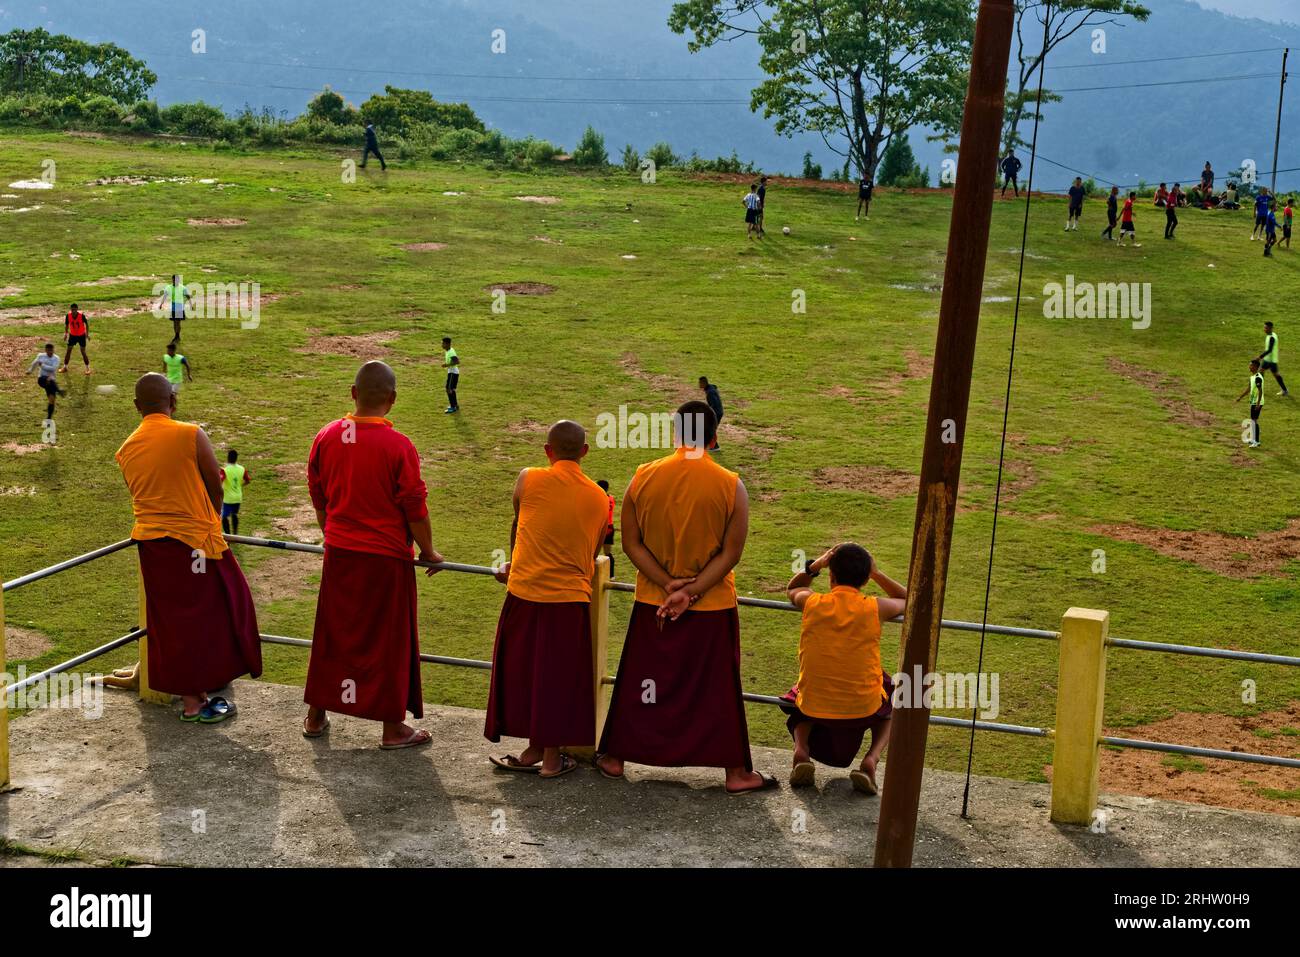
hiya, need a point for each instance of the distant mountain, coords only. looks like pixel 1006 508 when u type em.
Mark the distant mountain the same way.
pixel 616 65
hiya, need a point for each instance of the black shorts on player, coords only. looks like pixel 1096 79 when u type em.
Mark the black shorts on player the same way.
pixel 50 386
pixel 76 341
pixel 1269 367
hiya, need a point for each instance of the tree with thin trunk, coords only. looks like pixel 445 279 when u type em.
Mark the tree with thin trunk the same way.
pixel 855 72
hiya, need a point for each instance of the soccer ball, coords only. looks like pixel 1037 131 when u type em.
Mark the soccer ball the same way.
pixel 786 230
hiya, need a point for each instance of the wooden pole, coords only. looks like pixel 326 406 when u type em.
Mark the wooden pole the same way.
pixel 954 357
pixel 1277 135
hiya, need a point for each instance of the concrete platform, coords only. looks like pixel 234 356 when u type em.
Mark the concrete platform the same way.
pixel 138 784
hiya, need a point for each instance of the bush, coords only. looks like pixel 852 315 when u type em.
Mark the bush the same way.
pixel 631 159
pixel 146 116
pixel 194 119
pixel 590 150
pixel 723 164
pixel 811 170
pixel 661 154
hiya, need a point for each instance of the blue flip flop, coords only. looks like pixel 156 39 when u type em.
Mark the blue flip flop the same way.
pixel 213 711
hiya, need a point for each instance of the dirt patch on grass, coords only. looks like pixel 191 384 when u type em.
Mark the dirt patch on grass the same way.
pixel 365 345
pixel 1179 409
pixel 299 525
pixel 17 448
pixel 290 472
pixel 347 287
pixel 1250 787
pixel 544 200
pixel 19 491
pixel 25 643
pixel 11 291
pixel 878 480
pixel 548 240
pixel 16 354
pixel 114 280
pixel 1230 555
pixel 283 576
pixel 224 221
pixel 522 288
pixel 916 367
pixel 424 247
pixel 673 387
pixel 40 315
pixel 526 427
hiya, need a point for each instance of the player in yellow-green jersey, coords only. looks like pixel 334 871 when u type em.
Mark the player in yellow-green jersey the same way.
pixel 233 479
pixel 1255 389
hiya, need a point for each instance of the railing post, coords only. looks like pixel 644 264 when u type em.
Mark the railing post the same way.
pixel 1080 701
pixel 599 653
pixel 146 693
pixel 4 702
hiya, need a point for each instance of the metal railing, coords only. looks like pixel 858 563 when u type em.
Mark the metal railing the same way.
pixel 746 601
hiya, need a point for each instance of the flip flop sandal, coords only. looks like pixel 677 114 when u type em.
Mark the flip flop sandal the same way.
pixel 769 782
pixel 803 775
pixel 416 738
pixel 512 763
pixel 567 764
pixel 864 782
pixel 214 711
pixel 315 734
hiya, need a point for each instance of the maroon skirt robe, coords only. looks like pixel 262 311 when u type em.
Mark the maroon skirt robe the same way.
pixel 202 626
pixel 543 688
pixel 836 741
pixel 365 650
pixel 677 698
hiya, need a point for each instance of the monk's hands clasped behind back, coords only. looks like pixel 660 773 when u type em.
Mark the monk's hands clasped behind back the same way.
pixel 679 599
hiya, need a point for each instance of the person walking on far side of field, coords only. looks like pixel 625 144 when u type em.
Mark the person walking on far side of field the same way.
pixel 1255 389
pixel 372 146
pixel 1171 210
pixel 1112 213
pixel 1010 166
pixel 865 188
pixel 1286 224
pixel 762 203
pixel 1262 199
pixel 1076 193
pixel 1126 227
pixel 714 399
pixel 451 362
pixel 751 210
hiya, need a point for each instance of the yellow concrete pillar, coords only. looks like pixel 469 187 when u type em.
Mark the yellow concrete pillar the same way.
pixel 599 653
pixel 147 693
pixel 1080 702
pixel 4 703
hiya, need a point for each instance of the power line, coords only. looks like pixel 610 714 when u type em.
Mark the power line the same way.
pixel 1132 86
pixel 1162 59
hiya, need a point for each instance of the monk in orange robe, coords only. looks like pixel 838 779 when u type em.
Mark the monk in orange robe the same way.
pixel 677 698
pixel 542 683
pixel 202 627
pixel 364 480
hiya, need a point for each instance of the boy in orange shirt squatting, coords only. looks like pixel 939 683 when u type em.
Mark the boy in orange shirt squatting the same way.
pixel 842 691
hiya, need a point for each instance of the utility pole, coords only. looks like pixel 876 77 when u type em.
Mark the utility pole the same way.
pixel 1277 136
pixel 954 358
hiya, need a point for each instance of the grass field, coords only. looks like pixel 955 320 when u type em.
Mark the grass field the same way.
pixel 1121 439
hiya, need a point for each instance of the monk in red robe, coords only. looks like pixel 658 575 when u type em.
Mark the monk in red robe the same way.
pixel 542 682
pixel 677 698
pixel 202 628
pixel 364 480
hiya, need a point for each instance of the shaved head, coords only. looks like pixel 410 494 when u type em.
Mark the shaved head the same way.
pixel 375 384
pixel 567 440
pixel 153 393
